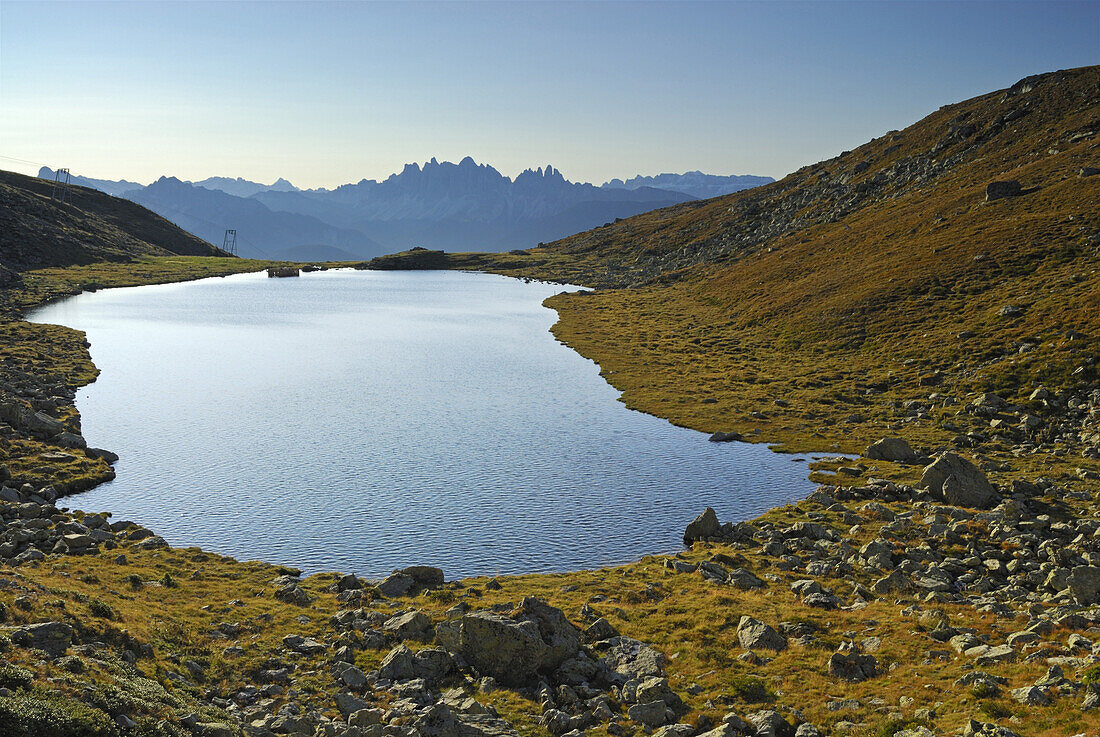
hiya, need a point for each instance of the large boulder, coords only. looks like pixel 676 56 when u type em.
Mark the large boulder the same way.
pixel 1084 584
pixel 957 481
pixel 513 650
pixel 752 634
pixel 851 665
pixel 1001 190
pixel 52 637
pixel 892 449
pixel 704 527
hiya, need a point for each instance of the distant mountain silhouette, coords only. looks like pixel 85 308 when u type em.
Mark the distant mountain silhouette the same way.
pixel 695 183
pixel 440 205
pixel 243 188
pixel 467 206
pixel 115 188
pixel 261 233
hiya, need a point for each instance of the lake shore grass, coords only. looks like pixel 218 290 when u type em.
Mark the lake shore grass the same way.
pixel 172 600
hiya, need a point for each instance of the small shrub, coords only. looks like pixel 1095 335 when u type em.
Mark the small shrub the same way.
pixel 1092 674
pixel 995 710
pixel 41 714
pixel 985 690
pixel 167 581
pixel 135 581
pixel 892 726
pixel 14 677
pixel 101 609
pixel 751 689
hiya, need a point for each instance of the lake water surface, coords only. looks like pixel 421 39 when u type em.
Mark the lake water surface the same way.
pixel 362 421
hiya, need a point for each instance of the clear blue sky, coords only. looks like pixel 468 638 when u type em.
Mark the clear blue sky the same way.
pixel 327 93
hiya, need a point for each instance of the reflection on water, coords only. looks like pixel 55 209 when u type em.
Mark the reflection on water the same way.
pixel 362 421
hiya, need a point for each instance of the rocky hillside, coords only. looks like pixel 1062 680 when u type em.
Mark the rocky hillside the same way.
pixel 37 231
pixel 905 189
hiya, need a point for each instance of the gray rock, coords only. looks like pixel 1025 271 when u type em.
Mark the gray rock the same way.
pixel 413 625
pixel 770 723
pixel 1002 189
pixel 513 651
pixel 745 580
pixel 1084 584
pixel 52 637
pixel 396 584
pixel 753 634
pixel 398 665
pixel 895 582
pixel 424 576
pixel 892 449
pixel 852 666
pixel 999 654
pixel 1031 696
pixel 704 527
pixel 626 659
pixel 957 481
pixel 651 714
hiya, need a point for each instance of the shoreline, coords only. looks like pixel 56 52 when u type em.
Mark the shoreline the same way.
pixel 71 496
pixel 817 615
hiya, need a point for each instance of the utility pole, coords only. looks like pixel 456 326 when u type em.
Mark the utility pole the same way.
pixel 60 186
pixel 229 243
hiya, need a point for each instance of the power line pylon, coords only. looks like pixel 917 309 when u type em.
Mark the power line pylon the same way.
pixel 60 190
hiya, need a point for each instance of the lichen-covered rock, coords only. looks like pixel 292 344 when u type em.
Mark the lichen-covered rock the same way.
pixel 955 480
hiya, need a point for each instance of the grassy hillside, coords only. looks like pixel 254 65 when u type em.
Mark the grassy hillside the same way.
pixel 856 294
pixel 37 231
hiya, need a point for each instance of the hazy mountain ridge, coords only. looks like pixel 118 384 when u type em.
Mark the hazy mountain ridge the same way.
pixel 262 233
pixel 461 206
pixel 694 183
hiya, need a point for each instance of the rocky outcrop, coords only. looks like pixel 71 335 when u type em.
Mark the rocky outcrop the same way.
pixel 955 480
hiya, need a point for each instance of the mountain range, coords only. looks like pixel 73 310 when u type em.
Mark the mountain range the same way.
pixel 442 205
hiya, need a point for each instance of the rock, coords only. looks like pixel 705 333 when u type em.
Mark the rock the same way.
pixel 852 666
pixel 975 728
pixel 770 723
pixel 895 582
pixel 413 625
pixel 398 665
pixel 352 677
pixel 999 654
pixel 513 651
pixel 71 441
pixel 52 637
pixel 627 659
pixel 424 576
pixel 651 714
pixel 349 704
pixel 396 584
pixel 599 630
pixel 704 527
pixel 1031 696
pixel 744 579
pixel 434 665
pixel 1002 189
pixel 725 437
pixel 288 591
pixel 957 481
pixel 1084 584
pixel 103 454
pixel 304 645
pixel 40 422
pixel 892 449
pixel 753 634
